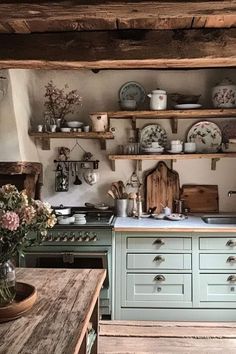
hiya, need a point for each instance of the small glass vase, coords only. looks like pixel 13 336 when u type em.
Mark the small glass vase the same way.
pixel 7 283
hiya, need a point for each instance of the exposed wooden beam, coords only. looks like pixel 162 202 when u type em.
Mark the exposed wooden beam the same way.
pixel 114 50
pixel 80 15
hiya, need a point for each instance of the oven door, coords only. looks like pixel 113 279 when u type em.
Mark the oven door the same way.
pixel 95 260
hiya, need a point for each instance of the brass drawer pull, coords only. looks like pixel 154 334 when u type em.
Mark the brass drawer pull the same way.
pixel 231 243
pixel 159 277
pixel 159 259
pixel 159 242
pixel 231 259
pixel 231 278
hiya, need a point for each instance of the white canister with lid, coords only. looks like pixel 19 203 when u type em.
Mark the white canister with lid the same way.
pixel 99 121
pixel 158 100
pixel 224 94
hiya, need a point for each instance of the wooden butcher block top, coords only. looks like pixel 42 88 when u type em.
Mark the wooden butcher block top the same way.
pixel 200 198
pixel 162 187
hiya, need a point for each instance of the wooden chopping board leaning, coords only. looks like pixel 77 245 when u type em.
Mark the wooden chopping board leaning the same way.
pixel 162 187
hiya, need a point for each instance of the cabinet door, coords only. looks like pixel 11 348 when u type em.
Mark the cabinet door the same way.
pixel 159 243
pixel 159 290
pixel 218 287
pixel 158 261
pixel 218 261
pixel 217 243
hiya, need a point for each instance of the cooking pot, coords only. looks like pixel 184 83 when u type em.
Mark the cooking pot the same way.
pixel 61 210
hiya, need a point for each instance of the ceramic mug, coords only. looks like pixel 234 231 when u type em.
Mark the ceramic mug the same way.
pixel 128 105
pixel 176 145
pixel 189 147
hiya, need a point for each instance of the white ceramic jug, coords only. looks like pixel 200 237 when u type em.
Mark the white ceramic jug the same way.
pixel 158 100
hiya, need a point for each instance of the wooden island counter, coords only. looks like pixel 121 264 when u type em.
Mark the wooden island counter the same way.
pixel 66 306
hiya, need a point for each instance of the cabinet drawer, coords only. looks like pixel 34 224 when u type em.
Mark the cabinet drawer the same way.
pixel 158 261
pixel 218 261
pixel 217 287
pixel 159 243
pixel 145 290
pixel 217 243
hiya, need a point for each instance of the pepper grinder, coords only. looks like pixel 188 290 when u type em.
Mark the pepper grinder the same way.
pixel 139 205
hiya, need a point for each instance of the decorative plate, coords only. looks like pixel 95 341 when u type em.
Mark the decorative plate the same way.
pixel 176 217
pixel 151 133
pixel 132 91
pixel 188 106
pixel 206 135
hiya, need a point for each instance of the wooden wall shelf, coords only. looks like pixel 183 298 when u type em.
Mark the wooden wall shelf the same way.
pixel 173 115
pixel 45 137
pixel 214 158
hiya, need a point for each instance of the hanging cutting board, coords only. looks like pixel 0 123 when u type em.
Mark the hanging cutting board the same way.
pixel 200 198
pixel 162 187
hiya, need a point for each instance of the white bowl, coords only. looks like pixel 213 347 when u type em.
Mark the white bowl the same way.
pixel 75 124
pixel 65 130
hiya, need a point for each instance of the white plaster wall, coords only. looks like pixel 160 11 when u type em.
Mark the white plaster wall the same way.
pixel 100 93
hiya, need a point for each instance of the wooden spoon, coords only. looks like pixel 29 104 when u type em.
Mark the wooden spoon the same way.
pixel 111 194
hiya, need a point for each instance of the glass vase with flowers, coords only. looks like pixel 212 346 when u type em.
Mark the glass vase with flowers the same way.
pixel 19 215
pixel 59 103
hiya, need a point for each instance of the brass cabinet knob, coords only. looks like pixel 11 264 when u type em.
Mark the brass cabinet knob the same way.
pixel 159 277
pixel 231 259
pixel 231 243
pixel 159 259
pixel 159 242
pixel 231 278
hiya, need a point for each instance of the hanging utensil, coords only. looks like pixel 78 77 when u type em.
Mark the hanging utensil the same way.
pixel 77 181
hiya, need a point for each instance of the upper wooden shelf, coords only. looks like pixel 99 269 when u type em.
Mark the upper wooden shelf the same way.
pixel 45 137
pixel 213 156
pixel 173 115
pixel 86 15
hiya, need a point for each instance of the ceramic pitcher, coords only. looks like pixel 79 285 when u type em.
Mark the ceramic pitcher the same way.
pixel 158 100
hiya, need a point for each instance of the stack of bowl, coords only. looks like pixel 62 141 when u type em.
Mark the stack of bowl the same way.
pixel 80 219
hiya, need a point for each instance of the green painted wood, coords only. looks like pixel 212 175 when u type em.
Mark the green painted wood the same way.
pixel 215 287
pixel 159 243
pixel 143 290
pixel 158 261
pixel 221 243
pixel 218 261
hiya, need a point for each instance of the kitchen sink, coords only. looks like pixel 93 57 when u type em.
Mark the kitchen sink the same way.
pixel 219 219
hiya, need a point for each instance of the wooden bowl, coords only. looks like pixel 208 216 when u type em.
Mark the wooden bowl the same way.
pixel 180 98
pixel 26 295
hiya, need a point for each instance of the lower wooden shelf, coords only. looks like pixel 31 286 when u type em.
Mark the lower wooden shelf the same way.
pixel 213 156
pixel 46 136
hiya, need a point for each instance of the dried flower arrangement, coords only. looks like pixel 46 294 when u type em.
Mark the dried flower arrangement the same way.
pixel 60 103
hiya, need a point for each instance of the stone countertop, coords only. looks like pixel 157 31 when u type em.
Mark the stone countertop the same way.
pixel 191 224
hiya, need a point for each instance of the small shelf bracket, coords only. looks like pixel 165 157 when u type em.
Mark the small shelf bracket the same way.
pixel 139 165
pixel 174 125
pixel 103 144
pixel 213 163
pixel 113 165
pixel 133 123
pixel 45 143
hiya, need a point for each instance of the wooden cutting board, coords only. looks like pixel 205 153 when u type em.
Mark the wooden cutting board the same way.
pixel 200 198
pixel 162 187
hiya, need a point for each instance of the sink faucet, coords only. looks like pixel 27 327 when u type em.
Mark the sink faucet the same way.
pixel 231 192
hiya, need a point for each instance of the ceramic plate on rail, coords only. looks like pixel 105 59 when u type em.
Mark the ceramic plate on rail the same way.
pixel 152 133
pixel 132 90
pixel 206 135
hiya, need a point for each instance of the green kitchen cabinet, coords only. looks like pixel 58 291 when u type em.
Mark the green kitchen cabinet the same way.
pixel 175 276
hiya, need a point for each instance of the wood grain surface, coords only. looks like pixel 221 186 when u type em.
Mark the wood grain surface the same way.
pixel 111 50
pixel 162 187
pixel 57 16
pixel 59 319
pixel 200 198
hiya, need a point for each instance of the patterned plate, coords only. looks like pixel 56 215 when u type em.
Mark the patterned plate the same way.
pixel 132 91
pixel 150 133
pixel 206 135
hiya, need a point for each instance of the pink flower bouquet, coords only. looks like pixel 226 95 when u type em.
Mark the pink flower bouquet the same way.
pixel 19 215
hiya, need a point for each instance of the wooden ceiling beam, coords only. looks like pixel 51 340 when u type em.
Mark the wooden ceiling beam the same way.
pixel 116 50
pixel 80 15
